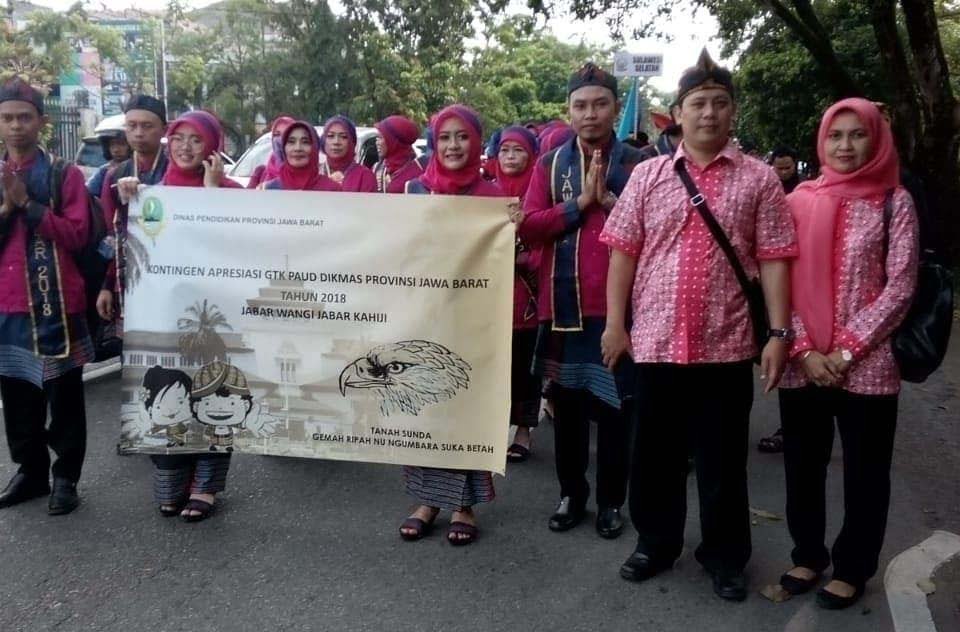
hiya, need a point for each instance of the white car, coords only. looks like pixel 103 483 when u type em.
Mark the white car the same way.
pixel 259 152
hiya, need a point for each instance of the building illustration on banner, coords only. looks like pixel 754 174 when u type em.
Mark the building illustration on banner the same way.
pixel 292 387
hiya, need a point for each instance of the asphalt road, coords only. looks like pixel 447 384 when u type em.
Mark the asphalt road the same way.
pixel 312 545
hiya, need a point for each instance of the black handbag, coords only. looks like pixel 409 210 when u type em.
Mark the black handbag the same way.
pixel 920 343
pixel 752 290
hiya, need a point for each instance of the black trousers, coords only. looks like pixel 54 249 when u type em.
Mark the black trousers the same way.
pixel 867 424
pixel 706 409
pixel 573 410
pixel 25 418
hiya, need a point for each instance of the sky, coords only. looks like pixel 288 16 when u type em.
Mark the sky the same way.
pixel 690 33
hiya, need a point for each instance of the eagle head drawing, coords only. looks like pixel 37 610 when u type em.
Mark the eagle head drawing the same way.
pixel 408 375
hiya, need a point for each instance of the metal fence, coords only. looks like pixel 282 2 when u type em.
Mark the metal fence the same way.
pixel 65 120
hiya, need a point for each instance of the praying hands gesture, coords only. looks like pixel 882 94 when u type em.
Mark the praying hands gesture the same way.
pixel 14 192
pixel 594 188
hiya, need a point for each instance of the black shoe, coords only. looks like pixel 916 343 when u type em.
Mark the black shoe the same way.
pixel 640 566
pixel 609 523
pixel 798 586
pixel 832 601
pixel 568 515
pixel 64 498
pixel 22 487
pixel 728 585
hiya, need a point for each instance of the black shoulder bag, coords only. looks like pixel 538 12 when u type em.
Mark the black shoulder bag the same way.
pixel 920 343
pixel 752 289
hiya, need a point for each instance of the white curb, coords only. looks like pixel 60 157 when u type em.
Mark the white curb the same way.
pixel 908 604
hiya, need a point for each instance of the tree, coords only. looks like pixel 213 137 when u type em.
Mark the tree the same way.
pixel 202 344
pixel 910 51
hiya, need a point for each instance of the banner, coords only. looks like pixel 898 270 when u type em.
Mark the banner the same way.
pixel 347 326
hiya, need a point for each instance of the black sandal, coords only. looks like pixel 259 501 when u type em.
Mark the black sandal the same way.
pixel 462 533
pixel 421 528
pixel 203 508
pixel 772 444
pixel 517 453
pixel 171 510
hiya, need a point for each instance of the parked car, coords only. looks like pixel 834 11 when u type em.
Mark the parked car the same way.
pixel 259 152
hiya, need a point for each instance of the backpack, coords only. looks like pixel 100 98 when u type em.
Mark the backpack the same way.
pixel 920 343
pixel 91 262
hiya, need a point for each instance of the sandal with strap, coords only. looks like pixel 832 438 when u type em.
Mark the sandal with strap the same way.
pixel 517 453
pixel 171 510
pixel 202 507
pixel 420 528
pixel 462 533
pixel 772 444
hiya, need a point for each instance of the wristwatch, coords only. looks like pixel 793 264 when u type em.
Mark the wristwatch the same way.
pixel 787 335
pixel 846 355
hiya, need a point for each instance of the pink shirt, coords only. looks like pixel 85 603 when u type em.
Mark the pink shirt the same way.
pixel 68 231
pixel 687 304
pixel 871 296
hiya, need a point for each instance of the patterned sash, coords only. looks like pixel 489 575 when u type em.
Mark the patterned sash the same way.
pixel 566 181
pixel 48 314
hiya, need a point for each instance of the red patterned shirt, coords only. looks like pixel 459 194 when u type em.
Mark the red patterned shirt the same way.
pixel 871 296
pixel 687 304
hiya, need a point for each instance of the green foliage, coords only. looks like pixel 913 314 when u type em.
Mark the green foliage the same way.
pixel 782 91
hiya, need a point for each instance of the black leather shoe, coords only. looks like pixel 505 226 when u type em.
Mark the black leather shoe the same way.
pixel 609 523
pixel 22 487
pixel 832 601
pixel 64 498
pixel 728 585
pixel 568 515
pixel 640 566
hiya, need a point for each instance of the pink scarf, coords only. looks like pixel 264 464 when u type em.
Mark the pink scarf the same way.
pixel 438 178
pixel 208 127
pixel 814 206
pixel 277 129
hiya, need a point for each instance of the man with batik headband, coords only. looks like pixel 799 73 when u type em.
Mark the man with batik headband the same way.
pixel 43 333
pixel 569 197
pixel 145 120
pixel 692 335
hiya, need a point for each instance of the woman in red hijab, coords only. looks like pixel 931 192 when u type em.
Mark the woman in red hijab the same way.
pixel 300 167
pixel 516 158
pixel 186 484
pixel 339 144
pixel 454 169
pixel 399 161
pixel 193 144
pixel 852 286
pixel 271 170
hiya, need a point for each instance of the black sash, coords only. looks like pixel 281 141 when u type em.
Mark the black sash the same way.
pixel 48 314
pixel 567 172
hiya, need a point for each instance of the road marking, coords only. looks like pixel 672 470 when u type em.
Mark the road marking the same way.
pixel 908 604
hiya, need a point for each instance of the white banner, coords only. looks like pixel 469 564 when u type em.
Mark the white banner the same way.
pixel 331 325
pixel 627 64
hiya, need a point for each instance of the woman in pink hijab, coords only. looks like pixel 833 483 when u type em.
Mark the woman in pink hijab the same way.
pixel 852 286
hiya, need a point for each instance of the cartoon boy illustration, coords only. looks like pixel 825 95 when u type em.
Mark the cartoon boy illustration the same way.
pixel 165 397
pixel 221 400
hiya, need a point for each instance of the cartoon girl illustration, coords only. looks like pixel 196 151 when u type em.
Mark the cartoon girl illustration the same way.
pixel 221 400
pixel 166 405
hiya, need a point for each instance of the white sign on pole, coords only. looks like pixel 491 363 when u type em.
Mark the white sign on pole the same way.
pixel 627 64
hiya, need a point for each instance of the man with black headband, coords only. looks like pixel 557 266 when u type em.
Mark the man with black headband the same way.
pixel 43 332
pixel 692 335
pixel 145 120
pixel 571 192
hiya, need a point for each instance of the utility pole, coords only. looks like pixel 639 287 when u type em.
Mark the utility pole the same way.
pixel 163 62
